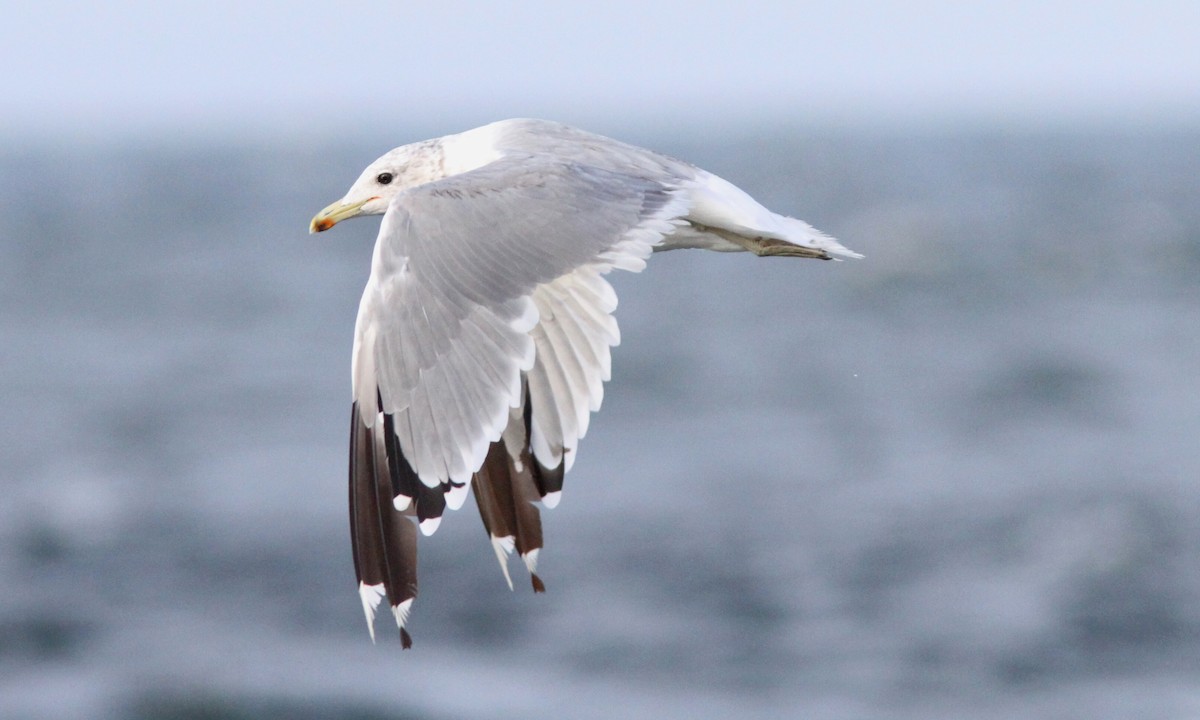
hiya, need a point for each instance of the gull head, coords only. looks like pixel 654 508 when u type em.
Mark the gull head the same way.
pixel 373 191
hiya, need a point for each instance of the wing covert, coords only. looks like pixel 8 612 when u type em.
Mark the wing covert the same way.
pixel 464 268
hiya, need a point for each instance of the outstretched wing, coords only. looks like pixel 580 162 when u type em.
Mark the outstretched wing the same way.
pixel 444 326
pixel 476 280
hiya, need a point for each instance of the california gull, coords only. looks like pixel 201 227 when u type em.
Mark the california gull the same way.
pixel 483 334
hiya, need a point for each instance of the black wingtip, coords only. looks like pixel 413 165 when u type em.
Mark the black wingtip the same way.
pixel 405 639
pixel 538 585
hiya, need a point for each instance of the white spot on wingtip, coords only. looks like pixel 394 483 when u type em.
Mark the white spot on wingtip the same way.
pixel 401 502
pixel 430 525
pixel 370 596
pixel 503 546
pixel 401 612
pixel 552 499
pixel 531 559
pixel 456 496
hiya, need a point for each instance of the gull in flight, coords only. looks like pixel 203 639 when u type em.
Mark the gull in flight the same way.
pixel 483 335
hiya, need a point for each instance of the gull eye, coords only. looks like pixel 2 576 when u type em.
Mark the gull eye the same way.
pixel 384 178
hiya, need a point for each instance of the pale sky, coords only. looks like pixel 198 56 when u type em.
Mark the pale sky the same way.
pixel 238 67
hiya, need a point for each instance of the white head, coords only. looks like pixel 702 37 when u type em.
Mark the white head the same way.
pixel 383 179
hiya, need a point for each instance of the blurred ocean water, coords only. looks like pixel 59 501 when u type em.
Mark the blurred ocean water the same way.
pixel 960 478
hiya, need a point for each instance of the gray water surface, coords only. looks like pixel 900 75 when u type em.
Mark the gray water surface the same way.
pixel 958 479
